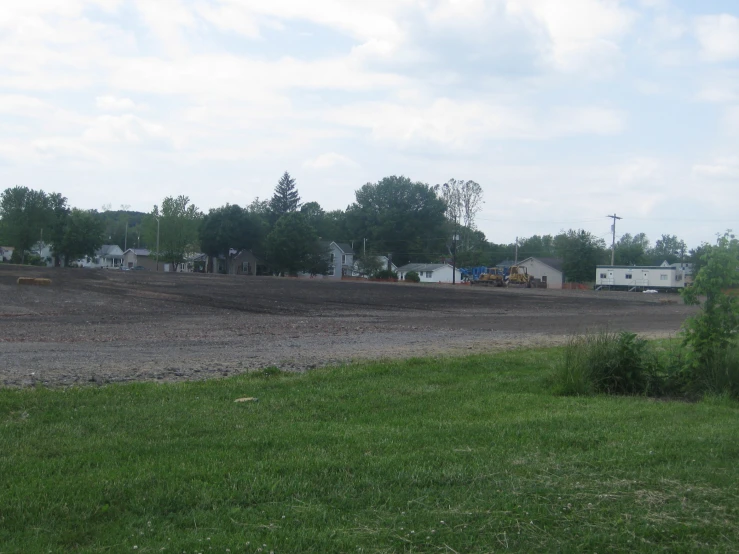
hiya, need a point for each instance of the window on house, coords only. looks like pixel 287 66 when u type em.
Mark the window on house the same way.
pixel 343 259
pixel 428 274
pixel 543 278
pixel 628 275
pixel 663 277
pixel 603 276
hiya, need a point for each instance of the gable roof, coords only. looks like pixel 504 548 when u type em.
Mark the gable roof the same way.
pixel 109 249
pixel 554 263
pixel 139 251
pixel 422 267
pixel 344 247
pixel 506 263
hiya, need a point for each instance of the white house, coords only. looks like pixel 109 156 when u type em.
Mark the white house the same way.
pixel 109 256
pixel 431 273
pixel 626 277
pixel 686 267
pixel 546 270
pixel 340 259
pixel 6 252
pixel 43 251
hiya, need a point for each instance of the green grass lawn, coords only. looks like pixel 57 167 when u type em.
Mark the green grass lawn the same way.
pixel 456 455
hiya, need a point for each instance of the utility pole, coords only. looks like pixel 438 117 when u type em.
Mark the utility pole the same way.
pixel 454 259
pixel 516 260
pixel 364 250
pixel 157 243
pixel 613 244
pixel 125 239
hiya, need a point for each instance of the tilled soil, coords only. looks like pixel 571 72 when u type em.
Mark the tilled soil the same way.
pixel 100 326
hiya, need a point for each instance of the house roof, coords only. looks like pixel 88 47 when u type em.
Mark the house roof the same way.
pixel 108 249
pixel 506 263
pixel 422 267
pixel 634 267
pixel 7 248
pixel 554 263
pixel 344 247
pixel 139 251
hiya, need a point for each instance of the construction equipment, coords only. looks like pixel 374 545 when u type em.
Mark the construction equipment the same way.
pixel 519 276
pixel 493 276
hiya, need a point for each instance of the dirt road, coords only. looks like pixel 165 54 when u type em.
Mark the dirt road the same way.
pixel 98 326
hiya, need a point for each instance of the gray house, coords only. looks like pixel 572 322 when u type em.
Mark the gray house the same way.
pixel 340 259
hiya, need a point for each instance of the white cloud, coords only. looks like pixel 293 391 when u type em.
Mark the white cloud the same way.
pixel 115 104
pixel 500 90
pixel 126 128
pixel 464 125
pixel 718 36
pixel 730 121
pixel 721 168
pixel 583 35
pixel 330 160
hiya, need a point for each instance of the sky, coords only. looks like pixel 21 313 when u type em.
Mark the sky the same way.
pixel 564 111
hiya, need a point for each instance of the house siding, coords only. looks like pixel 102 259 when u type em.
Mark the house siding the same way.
pixel 441 274
pixel 543 272
pixel 641 276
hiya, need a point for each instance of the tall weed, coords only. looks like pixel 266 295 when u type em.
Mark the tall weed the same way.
pixel 610 363
pixel 718 374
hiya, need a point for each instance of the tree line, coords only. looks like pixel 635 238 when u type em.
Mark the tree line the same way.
pixel 405 220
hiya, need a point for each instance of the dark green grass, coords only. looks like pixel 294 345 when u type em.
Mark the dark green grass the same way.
pixel 455 455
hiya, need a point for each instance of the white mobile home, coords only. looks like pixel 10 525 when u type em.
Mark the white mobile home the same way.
pixel 624 277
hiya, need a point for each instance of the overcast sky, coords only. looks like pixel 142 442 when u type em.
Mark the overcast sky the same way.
pixel 563 110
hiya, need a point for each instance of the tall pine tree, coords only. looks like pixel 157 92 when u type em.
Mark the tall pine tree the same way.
pixel 285 198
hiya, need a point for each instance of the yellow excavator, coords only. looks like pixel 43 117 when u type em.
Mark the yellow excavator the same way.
pixel 519 276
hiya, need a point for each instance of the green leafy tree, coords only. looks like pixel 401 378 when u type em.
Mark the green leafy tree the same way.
pixel 697 255
pixel 328 225
pixel 26 214
pixel 126 228
pixel 82 236
pixel 293 246
pixel 632 250
pixel 580 252
pixel 716 326
pixel 285 198
pixel 369 264
pixel 538 246
pixel 229 229
pixel 179 221
pixel 669 248
pixel 400 217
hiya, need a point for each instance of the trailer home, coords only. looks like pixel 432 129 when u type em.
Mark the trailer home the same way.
pixel 638 278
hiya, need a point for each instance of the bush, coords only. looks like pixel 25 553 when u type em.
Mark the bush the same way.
pixel 609 363
pixel 386 274
pixel 413 277
pixel 718 374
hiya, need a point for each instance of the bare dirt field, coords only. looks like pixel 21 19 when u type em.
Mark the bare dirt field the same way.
pixel 99 326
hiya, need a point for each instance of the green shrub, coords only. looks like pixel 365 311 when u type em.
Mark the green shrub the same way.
pixel 386 274
pixel 609 363
pixel 718 374
pixel 413 277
